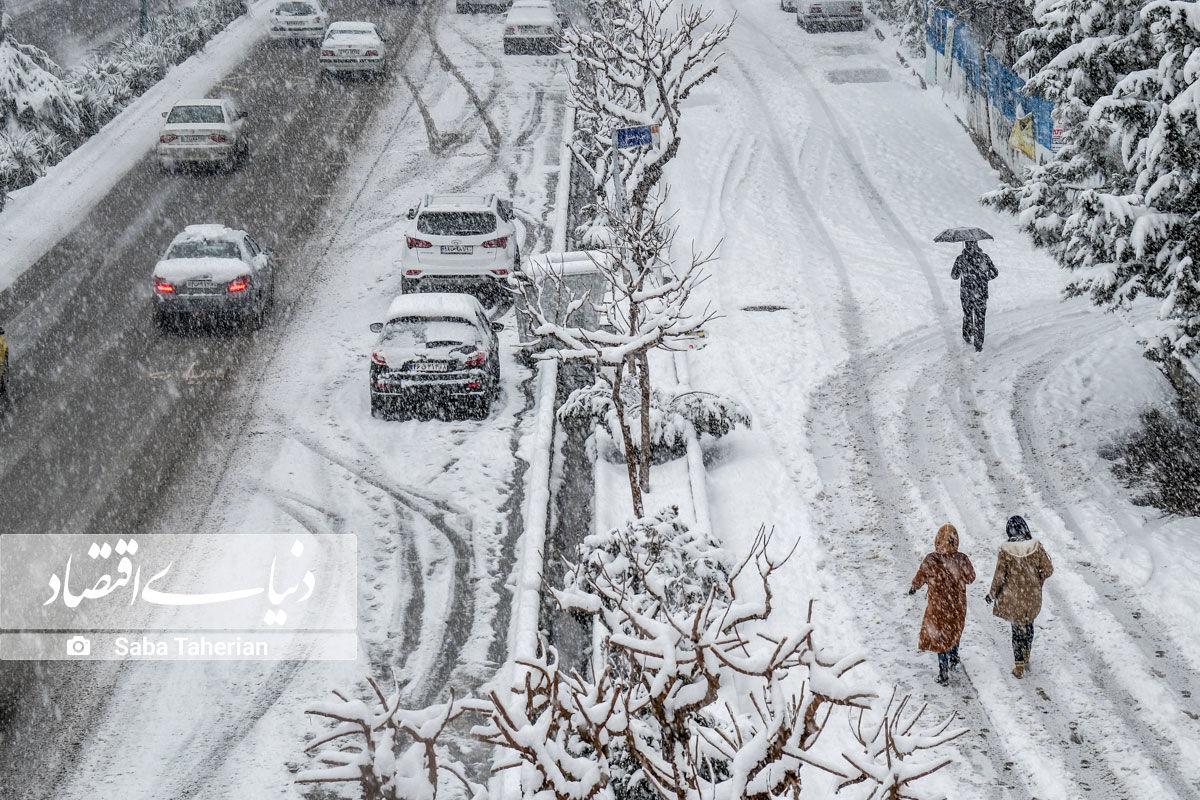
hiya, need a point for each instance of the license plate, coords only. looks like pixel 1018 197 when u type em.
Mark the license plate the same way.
pixel 194 139
pixel 201 284
pixel 431 366
pixel 457 249
pixel 347 52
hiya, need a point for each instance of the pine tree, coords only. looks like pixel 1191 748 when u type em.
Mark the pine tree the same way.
pixel 1118 206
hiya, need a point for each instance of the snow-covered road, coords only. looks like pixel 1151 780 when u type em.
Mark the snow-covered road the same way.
pixel 435 503
pixel 827 171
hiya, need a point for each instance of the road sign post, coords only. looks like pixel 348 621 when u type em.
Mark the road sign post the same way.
pixel 639 137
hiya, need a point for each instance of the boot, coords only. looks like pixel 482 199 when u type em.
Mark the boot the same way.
pixel 943 678
pixel 1018 669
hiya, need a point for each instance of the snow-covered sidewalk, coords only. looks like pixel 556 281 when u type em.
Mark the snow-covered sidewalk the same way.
pixel 827 171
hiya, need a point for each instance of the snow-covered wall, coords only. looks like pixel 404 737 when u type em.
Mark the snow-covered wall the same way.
pixel 986 94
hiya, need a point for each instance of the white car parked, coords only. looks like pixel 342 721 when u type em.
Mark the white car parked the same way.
pixel 298 20
pixel 533 28
pixel 203 132
pixel 353 47
pixel 213 272
pixel 460 242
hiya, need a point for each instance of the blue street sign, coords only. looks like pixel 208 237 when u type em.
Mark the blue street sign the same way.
pixel 641 136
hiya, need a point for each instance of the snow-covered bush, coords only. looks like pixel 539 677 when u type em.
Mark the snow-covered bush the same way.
pixel 112 78
pixel 908 17
pixel 670 415
pixel 702 689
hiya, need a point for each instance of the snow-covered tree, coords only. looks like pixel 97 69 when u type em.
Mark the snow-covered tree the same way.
pixel 1118 206
pixel 37 111
pixel 636 65
pixel 909 18
pixel 702 689
pixel 998 23
pixel 647 306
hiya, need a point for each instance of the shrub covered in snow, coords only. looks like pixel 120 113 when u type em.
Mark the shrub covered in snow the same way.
pixel 700 690
pixel 1161 460
pixel 670 415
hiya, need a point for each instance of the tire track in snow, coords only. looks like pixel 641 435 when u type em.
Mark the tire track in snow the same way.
pixel 855 411
pixel 964 408
pixel 1090 683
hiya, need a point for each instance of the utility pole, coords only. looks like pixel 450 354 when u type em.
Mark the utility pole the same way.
pixel 143 17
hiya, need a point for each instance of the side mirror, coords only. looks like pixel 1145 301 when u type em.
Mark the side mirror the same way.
pixel 412 213
pixel 164 115
pixel 497 326
pixel 243 114
pixel 268 252
pixel 376 327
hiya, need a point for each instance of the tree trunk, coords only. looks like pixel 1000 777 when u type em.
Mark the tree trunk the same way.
pixel 644 385
pixel 635 489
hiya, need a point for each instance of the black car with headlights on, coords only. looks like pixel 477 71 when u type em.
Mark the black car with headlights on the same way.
pixel 435 350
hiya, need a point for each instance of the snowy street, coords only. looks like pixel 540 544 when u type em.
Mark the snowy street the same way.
pixel 805 399
pixel 274 433
pixel 878 423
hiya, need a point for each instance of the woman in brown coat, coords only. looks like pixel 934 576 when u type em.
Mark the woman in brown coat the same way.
pixel 946 572
pixel 1021 569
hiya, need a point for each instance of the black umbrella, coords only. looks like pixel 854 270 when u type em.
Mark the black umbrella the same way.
pixel 962 235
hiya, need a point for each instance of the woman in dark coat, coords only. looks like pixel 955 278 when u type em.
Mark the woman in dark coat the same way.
pixel 1021 568
pixel 946 572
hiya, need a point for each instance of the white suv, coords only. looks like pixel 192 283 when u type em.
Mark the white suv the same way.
pixel 460 242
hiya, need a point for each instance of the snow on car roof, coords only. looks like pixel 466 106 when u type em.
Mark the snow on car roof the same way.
pixel 457 202
pixel 205 101
pixel 532 15
pixel 353 27
pixel 209 233
pixel 435 304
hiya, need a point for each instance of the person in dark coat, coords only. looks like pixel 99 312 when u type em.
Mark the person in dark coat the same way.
pixel 973 269
pixel 946 572
pixel 1021 568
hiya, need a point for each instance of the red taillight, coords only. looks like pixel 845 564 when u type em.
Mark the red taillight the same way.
pixel 474 385
pixel 372 54
pixel 411 273
pixel 496 243
pixel 510 31
pixel 500 272
pixel 167 138
pixel 477 359
pixel 418 244
pixel 377 358
pixel 163 287
pixel 327 54
pixel 239 284
pixel 219 138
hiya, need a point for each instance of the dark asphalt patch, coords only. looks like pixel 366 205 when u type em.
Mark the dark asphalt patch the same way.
pixel 764 308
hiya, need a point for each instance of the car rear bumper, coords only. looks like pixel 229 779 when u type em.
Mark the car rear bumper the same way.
pixel 468 383
pixel 541 45
pixel 353 64
pixel 194 153
pixel 833 21
pixel 207 305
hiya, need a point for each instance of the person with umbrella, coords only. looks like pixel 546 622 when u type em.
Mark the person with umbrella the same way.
pixel 973 269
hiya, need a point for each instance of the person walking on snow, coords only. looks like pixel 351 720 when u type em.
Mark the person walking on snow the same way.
pixel 946 572
pixel 1021 568
pixel 973 269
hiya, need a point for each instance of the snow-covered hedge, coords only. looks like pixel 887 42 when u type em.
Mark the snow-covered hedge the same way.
pixel 45 114
pixel 670 414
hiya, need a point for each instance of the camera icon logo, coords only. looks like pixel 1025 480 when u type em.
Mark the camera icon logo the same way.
pixel 79 646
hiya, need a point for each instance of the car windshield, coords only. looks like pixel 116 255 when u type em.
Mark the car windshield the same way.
pixel 204 248
pixel 418 332
pixel 295 9
pixel 191 114
pixel 457 223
